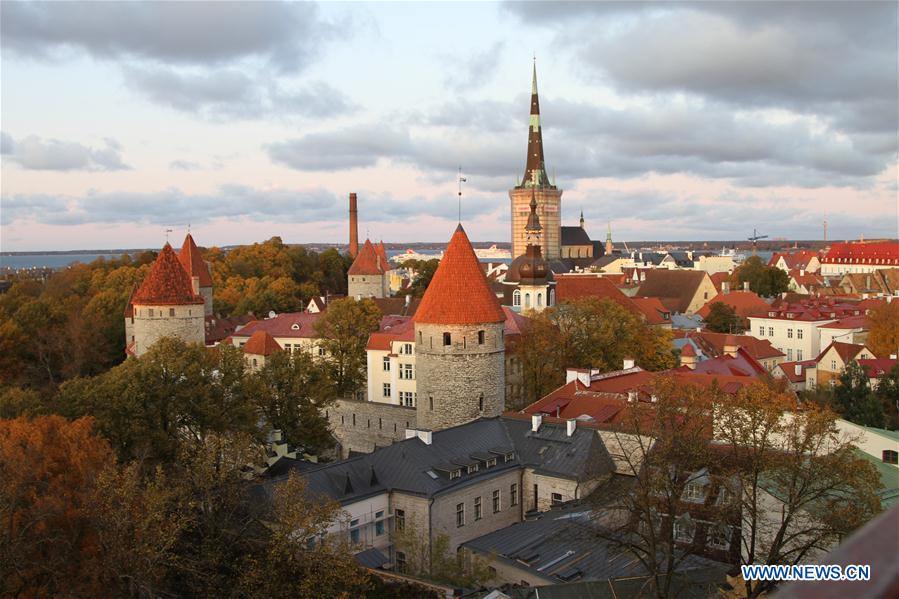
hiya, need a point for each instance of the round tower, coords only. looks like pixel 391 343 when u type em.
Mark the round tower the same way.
pixel 166 305
pixel 459 343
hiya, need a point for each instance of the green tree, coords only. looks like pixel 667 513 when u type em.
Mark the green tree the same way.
pixel 854 399
pixel 764 280
pixel 344 329
pixel 291 391
pixel 723 319
pixel 888 394
pixel 424 272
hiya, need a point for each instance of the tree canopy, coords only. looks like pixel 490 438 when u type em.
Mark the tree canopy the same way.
pixel 764 280
pixel 723 319
pixel 883 337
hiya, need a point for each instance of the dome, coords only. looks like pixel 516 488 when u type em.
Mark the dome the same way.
pixel 529 269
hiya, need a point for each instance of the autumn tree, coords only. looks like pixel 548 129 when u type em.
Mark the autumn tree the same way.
pixel 800 483
pixel 764 280
pixel 344 329
pixel 424 271
pixel 48 471
pixel 291 391
pixel 723 319
pixel 883 337
pixel 854 399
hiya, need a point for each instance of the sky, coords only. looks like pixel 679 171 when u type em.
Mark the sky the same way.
pixel 244 121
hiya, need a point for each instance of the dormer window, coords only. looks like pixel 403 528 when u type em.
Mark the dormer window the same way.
pixel 509 456
pixel 491 462
pixel 457 473
pixel 472 468
pixel 295 327
pixel 694 492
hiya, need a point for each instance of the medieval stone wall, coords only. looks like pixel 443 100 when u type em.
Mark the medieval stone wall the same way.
pixel 151 323
pixel 206 292
pixel 367 286
pixel 461 381
pixel 363 425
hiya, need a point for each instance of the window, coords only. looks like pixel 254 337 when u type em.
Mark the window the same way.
pixel 171 312
pixel 527 300
pixel 386 389
pixel 719 537
pixel 399 519
pixel 694 492
pixel 481 402
pixel 477 508
pixel 789 333
pixel 152 312
pixel 684 529
pixel 556 498
pixel 481 336
pixel 431 402
pixel 400 561
pixel 891 456
pixel 471 468
pixel 354 532
pixel 513 494
pixel 539 300
pixel 509 456
pixel 460 515
pixel 799 355
pixel 516 298
pixel 789 354
pixel 406 372
pixel 833 365
pixel 408 349
pixel 491 462
pixel 254 363
pixel 457 473
pixel 407 399
pixel 379 523
pixel 799 333
pixel 761 331
pixel 771 331
pixel 447 339
pixel 321 351
pixel 386 364
pixel 496 501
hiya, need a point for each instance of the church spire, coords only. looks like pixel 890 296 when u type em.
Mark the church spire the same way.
pixel 535 166
pixel 609 246
pixel 533 230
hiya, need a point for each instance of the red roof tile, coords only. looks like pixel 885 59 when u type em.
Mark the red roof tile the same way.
pixel 261 344
pixel 368 261
pixel 846 351
pixel 884 252
pixel 575 286
pixel 712 344
pixel 193 264
pixel 744 303
pixel 789 370
pixel 459 292
pixel 290 324
pixel 688 351
pixel 794 260
pixel 382 252
pixel 167 283
pixel 878 367
pixel 850 322
pixel 718 278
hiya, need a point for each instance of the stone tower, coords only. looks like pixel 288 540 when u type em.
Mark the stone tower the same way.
pixel 369 275
pixel 529 283
pixel 536 183
pixel 165 305
pixel 459 343
pixel 198 271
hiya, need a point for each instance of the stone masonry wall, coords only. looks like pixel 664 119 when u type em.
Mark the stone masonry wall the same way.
pixel 451 379
pixel 362 425
pixel 366 286
pixel 206 292
pixel 547 485
pixel 186 324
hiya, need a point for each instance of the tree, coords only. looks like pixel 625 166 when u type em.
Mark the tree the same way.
pixel 888 393
pixel 542 362
pixel 801 484
pixel 723 319
pixel 291 391
pixel 424 272
pixel 764 280
pixel 344 329
pixel 883 338
pixel 48 470
pixel 853 397
pixel 665 443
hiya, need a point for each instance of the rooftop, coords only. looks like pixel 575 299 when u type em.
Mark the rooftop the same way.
pixel 192 262
pixel 167 283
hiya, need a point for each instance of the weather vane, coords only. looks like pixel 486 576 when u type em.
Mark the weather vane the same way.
pixel 461 181
pixel 167 231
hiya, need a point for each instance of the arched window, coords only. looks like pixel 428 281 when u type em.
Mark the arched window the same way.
pixel 527 300
pixel 539 300
pixel 552 298
pixel 516 298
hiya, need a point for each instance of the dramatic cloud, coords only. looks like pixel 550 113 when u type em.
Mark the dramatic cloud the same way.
pixel 39 154
pixel 283 35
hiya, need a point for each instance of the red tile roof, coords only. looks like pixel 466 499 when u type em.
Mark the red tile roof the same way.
pixel 167 283
pixel 713 344
pixel 369 261
pixel 575 286
pixel 789 370
pixel 688 351
pixel 290 324
pixel 846 351
pixel 741 365
pixel 392 328
pixel 744 303
pixel 382 252
pixel 676 288
pixel 192 262
pixel 718 278
pixel 459 292
pixel 850 322
pixel 798 259
pixel 883 252
pixel 261 344
pixel 878 367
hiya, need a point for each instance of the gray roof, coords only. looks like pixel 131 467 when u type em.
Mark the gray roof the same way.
pixel 562 546
pixel 414 467
pixel 575 236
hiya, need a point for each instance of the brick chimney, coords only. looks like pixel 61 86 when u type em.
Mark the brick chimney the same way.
pixel 354 226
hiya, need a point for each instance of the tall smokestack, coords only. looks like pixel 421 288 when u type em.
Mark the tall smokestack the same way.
pixel 354 226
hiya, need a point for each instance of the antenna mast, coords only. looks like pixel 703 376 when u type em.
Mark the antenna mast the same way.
pixel 461 181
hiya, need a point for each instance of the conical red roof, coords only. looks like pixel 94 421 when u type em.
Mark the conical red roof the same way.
pixel 167 284
pixel 368 262
pixel 382 252
pixel 459 292
pixel 261 344
pixel 193 264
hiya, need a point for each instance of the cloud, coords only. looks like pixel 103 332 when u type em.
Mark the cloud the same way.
pixel 357 146
pixel 230 93
pixel 472 72
pixel 184 165
pixel 35 153
pixel 285 36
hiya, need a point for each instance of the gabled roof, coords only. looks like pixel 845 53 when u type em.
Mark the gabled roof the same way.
pixel 575 236
pixel 677 286
pixel 369 261
pixel 793 260
pixel 575 286
pixel 744 303
pixel 167 283
pixel 846 351
pixel 878 367
pixel 382 253
pixel 192 262
pixel 289 324
pixel 885 253
pixel 850 322
pixel 789 370
pixel 713 344
pixel 261 344
pixel 459 292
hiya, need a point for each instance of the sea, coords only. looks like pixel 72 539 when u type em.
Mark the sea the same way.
pixel 19 261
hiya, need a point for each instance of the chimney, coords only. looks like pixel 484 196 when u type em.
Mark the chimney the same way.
pixel 725 287
pixel 801 272
pixel 731 346
pixel 797 369
pixel 408 300
pixel 688 356
pixel 628 363
pixel 745 285
pixel 570 426
pixel 425 436
pixel 536 421
pixel 354 226
pixel 577 374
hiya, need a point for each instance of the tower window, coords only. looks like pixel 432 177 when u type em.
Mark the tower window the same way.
pixel 431 401
pixel 171 312
pixel 481 402
pixel 516 298
pixel 447 339
pixel 481 337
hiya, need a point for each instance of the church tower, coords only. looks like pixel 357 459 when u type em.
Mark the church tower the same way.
pixel 459 343
pixel 529 283
pixel 536 182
